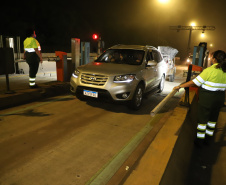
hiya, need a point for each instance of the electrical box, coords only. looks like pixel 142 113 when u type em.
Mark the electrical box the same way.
pixel 6 61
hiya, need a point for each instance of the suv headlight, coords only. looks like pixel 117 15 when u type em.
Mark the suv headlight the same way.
pixel 124 78
pixel 76 73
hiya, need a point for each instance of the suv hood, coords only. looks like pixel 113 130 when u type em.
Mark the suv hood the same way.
pixel 109 68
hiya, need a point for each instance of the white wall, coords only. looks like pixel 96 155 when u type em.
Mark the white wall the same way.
pixel 48 66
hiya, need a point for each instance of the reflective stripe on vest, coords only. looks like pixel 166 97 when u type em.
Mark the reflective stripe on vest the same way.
pixel 211 86
pixel 29 50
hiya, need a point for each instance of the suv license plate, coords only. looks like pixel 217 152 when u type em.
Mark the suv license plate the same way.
pixel 90 93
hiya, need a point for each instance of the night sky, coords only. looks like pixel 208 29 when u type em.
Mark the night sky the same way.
pixel 117 21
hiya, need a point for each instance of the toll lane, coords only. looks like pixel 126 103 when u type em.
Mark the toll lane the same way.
pixel 68 141
pixel 67 137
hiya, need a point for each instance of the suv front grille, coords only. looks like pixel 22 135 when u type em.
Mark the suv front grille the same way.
pixel 93 79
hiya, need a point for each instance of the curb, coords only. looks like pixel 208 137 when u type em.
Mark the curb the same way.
pixel 29 95
pixel 152 165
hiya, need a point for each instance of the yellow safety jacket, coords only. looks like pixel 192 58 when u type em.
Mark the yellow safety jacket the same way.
pixel 212 79
pixel 30 44
pixel 39 46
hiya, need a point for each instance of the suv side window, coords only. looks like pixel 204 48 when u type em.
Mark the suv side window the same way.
pixel 149 56
pixel 156 55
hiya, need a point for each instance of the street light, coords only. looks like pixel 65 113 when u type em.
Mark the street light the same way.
pixel 163 1
pixel 160 4
pixel 193 24
pixel 203 35
pixel 191 28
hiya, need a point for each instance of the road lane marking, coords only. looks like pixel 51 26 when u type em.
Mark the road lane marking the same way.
pixel 34 106
pixel 111 167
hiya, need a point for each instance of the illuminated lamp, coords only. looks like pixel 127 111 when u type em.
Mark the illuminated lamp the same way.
pixel 95 36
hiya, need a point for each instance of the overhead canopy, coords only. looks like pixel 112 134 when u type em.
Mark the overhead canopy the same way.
pixel 167 50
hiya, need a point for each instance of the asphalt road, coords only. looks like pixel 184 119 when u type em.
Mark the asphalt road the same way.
pixel 63 140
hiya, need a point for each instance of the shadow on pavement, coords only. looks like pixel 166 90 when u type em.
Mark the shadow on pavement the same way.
pixel 189 165
pixel 204 159
pixel 149 103
pixel 30 113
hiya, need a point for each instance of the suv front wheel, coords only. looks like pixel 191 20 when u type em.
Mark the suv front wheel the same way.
pixel 136 102
pixel 161 84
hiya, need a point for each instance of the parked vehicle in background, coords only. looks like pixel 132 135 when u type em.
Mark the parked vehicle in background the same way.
pixel 169 54
pixel 122 73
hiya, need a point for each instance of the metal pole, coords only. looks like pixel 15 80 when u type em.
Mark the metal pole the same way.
pixel 186 99
pixel 18 48
pixel 1 41
pixel 189 41
pixel 99 47
pixel 8 91
pixel 162 103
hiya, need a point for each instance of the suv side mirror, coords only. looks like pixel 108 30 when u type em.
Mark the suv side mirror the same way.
pixel 151 63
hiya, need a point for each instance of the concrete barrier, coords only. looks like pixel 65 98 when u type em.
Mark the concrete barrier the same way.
pixel 47 66
pixel 178 164
pixel 191 165
pixel 151 169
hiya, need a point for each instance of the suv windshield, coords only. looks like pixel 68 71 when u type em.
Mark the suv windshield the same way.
pixel 122 56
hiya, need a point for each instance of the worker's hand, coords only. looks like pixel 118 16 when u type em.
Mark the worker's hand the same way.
pixel 177 88
pixel 41 61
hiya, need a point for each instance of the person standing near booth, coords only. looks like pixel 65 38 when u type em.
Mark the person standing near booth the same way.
pixel 212 83
pixel 33 56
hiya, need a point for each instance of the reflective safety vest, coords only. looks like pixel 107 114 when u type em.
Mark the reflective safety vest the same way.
pixel 39 46
pixel 30 44
pixel 212 79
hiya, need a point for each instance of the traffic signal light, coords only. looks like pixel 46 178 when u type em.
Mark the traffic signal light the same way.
pixel 95 36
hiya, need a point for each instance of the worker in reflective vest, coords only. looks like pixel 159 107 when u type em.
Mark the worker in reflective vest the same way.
pixel 212 83
pixel 33 56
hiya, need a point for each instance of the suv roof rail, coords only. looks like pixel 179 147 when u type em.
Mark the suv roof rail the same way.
pixel 115 45
pixel 152 47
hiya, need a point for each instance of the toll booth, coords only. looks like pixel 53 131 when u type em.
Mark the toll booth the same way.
pixel 75 52
pixel 6 61
pixel 200 55
pixel 11 42
pixel 199 62
pixel 85 51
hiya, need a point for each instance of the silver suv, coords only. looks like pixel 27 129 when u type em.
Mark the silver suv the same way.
pixel 121 73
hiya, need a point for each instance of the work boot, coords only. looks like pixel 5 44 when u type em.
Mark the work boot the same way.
pixel 198 142
pixel 34 86
pixel 208 140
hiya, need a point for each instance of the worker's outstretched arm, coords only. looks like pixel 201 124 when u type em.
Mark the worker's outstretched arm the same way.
pixel 187 84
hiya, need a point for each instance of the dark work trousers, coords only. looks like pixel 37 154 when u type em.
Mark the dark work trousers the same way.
pixel 210 103
pixel 33 62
